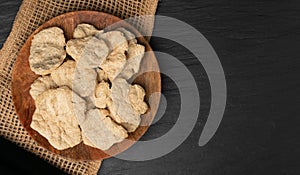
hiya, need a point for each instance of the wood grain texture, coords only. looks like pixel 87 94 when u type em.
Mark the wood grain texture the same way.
pixel 23 77
pixel 258 45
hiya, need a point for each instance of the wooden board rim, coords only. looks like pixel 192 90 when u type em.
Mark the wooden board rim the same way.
pixel 20 87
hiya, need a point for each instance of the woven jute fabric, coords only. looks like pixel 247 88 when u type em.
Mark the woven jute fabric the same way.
pixel 31 15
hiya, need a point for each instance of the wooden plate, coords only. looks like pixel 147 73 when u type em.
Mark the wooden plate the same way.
pixel 23 77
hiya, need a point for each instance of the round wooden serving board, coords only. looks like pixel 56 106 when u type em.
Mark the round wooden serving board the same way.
pixel 23 77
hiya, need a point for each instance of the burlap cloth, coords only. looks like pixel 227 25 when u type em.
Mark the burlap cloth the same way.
pixel 32 14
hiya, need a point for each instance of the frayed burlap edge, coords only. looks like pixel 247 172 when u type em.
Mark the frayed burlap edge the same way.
pixel 32 14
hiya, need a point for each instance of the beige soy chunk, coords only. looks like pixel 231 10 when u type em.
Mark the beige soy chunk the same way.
pixel 40 85
pixel 130 37
pixel 88 52
pixel 101 75
pixel 64 75
pixel 55 118
pixel 120 106
pixel 116 60
pixel 75 47
pixel 101 131
pixel 102 95
pixel 136 98
pixel 84 30
pixel 85 80
pixel 47 50
pixel 52 35
pixel 114 64
pixel 134 57
pixel 115 40
pixel 86 141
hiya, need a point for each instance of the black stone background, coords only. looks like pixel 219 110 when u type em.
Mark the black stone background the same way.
pixel 258 43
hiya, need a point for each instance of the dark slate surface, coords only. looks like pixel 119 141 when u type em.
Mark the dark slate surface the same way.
pixel 258 44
